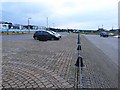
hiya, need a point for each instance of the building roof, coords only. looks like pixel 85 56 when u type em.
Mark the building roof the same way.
pixel 3 22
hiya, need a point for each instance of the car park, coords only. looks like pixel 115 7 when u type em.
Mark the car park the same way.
pixel 104 34
pixel 44 35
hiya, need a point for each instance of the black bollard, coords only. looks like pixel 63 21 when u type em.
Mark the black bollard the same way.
pixel 81 62
pixel 79 47
pixel 77 62
pixel 78 39
pixel 82 65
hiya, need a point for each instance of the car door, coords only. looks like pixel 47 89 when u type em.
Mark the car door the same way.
pixel 47 35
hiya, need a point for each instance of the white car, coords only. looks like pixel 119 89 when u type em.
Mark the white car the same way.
pixel 56 34
pixel 111 34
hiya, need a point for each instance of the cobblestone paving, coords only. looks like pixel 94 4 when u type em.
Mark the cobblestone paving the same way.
pixel 29 63
pixel 98 71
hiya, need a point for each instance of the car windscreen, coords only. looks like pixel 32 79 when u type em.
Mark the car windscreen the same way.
pixel 50 32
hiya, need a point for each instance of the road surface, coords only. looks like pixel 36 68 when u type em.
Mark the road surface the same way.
pixel 108 45
pixel 100 70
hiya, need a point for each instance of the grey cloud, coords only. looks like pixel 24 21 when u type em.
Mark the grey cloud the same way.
pixel 19 12
pixel 15 12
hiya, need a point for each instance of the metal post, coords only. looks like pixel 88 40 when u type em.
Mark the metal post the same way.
pixel 102 26
pixel 47 23
pixel 8 29
pixel 112 27
pixel 29 24
pixel 53 25
pixel 98 27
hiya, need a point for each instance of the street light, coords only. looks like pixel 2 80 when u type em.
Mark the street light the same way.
pixel 29 24
pixel 47 22
pixel 53 25
pixel 102 26
pixel 112 27
pixel 98 27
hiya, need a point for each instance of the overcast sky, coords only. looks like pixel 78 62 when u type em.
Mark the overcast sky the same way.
pixel 75 14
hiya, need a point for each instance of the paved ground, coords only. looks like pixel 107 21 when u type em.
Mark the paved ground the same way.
pixel 99 71
pixel 28 63
pixel 108 45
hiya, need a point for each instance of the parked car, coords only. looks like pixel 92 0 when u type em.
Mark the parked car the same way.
pixel 104 34
pixel 111 34
pixel 44 35
pixel 57 34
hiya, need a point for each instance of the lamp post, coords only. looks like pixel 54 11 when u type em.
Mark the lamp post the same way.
pixel 112 27
pixel 102 26
pixel 29 24
pixel 98 27
pixel 53 25
pixel 47 22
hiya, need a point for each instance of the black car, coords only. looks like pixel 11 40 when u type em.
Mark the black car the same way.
pixel 44 35
pixel 104 34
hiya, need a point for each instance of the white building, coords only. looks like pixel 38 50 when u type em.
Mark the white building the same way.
pixel 41 27
pixel 5 25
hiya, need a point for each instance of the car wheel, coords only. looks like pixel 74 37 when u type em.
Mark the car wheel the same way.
pixel 36 38
pixel 52 38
